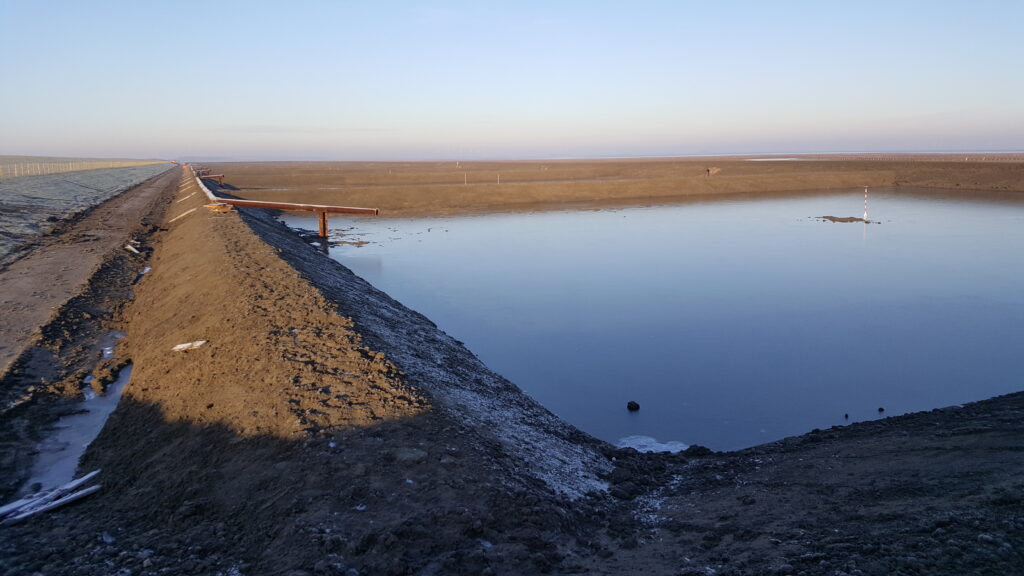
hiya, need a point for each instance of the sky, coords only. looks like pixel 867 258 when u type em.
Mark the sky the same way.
pixel 383 80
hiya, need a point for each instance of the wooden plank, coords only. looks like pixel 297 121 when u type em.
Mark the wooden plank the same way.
pixel 56 504
pixel 38 499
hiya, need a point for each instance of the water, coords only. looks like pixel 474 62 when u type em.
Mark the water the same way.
pixel 60 451
pixel 733 322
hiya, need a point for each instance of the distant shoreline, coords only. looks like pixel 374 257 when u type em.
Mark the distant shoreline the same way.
pixel 410 189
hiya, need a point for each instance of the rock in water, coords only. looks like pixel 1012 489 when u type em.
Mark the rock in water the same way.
pixel 632 406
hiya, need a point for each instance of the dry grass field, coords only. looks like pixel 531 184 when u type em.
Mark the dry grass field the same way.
pixel 438 188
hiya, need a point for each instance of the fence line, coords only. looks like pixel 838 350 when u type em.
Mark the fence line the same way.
pixel 27 168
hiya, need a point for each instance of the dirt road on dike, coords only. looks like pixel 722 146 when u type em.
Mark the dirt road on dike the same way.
pixel 326 429
pixel 60 264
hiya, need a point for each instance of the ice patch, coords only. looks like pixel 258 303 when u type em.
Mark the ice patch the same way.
pixel 59 452
pixel 649 444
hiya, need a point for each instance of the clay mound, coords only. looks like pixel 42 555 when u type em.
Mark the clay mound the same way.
pixel 278 359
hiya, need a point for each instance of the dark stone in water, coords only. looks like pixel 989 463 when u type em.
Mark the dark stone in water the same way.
pixel 880 410
pixel 632 406
pixel 835 219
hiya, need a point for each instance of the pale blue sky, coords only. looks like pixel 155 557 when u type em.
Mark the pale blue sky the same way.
pixel 466 80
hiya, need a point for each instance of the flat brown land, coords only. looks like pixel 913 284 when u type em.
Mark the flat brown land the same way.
pixel 326 429
pixel 436 188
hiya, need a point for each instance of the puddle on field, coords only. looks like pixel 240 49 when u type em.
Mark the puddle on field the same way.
pixel 59 453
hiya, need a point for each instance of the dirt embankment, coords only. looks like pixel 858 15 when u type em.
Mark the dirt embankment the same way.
pixel 437 188
pixel 326 429
pixel 287 442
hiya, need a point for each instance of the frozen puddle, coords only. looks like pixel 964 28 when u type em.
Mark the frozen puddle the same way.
pixel 649 444
pixel 59 453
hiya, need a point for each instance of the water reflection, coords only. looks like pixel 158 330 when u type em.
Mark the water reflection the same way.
pixel 60 451
pixel 732 322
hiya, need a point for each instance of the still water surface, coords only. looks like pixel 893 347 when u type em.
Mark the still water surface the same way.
pixel 732 322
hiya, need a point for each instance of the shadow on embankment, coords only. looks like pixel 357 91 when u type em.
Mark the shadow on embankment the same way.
pixel 426 495
pixel 203 499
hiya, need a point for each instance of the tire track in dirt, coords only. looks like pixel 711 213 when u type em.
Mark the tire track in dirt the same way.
pixel 35 286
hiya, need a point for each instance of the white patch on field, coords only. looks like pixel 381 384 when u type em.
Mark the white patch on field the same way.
pixel 188 346
pixel 649 444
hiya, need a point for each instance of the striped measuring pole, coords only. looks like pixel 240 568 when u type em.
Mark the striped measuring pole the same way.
pixel 865 203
